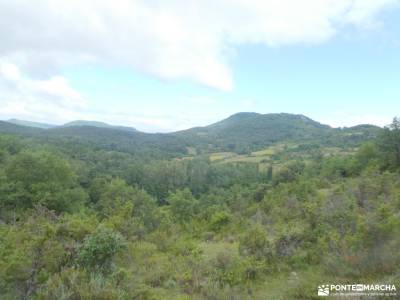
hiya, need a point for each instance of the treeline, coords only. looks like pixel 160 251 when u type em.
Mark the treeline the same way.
pixel 81 222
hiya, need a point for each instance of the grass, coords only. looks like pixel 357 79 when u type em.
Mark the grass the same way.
pixel 249 159
pixel 211 250
pixel 222 156
pixel 277 155
pixel 255 157
pixel 266 152
pixel 191 151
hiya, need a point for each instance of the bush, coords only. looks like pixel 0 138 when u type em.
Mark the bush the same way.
pixel 255 243
pixel 219 220
pixel 98 249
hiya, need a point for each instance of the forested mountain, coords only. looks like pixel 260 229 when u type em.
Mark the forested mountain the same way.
pixel 134 142
pixel 31 124
pixel 106 138
pixel 240 133
pixel 102 213
pixel 80 123
pixel 77 123
pixel 7 127
pixel 245 132
pixel 258 126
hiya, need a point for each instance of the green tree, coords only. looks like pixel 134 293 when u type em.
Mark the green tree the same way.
pixel 182 205
pixel 98 250
pixel 256 243
pixel 34 178
pixel 389 145
pixel 219 219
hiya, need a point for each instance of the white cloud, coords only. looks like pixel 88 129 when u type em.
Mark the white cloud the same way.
pixel 172 40
pixel 53 100
pixel 36 98
pixel 349 120
pixel 168 39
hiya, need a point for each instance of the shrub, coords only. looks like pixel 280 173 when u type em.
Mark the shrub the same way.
pixel 98 249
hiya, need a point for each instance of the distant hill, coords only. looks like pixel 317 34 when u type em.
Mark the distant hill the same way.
pixel 31 124
pixel 116 139
pixel 79 123
pixel 10 128
pixel 244 132
pixel 240 133
pixel 100 138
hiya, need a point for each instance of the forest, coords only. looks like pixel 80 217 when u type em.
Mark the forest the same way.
pixel 252 207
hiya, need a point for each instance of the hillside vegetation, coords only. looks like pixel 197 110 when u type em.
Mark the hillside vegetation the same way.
pixel 252 207
pixel 241 133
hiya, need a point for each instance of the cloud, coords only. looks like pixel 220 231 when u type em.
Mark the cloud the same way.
pixel 168 39
pixel 36 98
pixel 53 100
pixel 171 40
pixel 349 120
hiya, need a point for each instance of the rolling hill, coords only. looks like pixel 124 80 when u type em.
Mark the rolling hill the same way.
pixel 11 128
pixel 31 124
pixel 240 133
pixel 79 123
pixel 246 132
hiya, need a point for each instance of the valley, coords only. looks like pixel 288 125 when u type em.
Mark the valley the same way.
pixel 251 206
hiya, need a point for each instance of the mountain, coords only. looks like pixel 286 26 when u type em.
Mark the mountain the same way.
pixel 244 132
pixel 79 123
pixel 11 128
pixel 241 133
pixel 116 139
pixel 108 139
pixel 30 124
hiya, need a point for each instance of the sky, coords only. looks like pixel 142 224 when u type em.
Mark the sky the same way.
pixel 162 66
